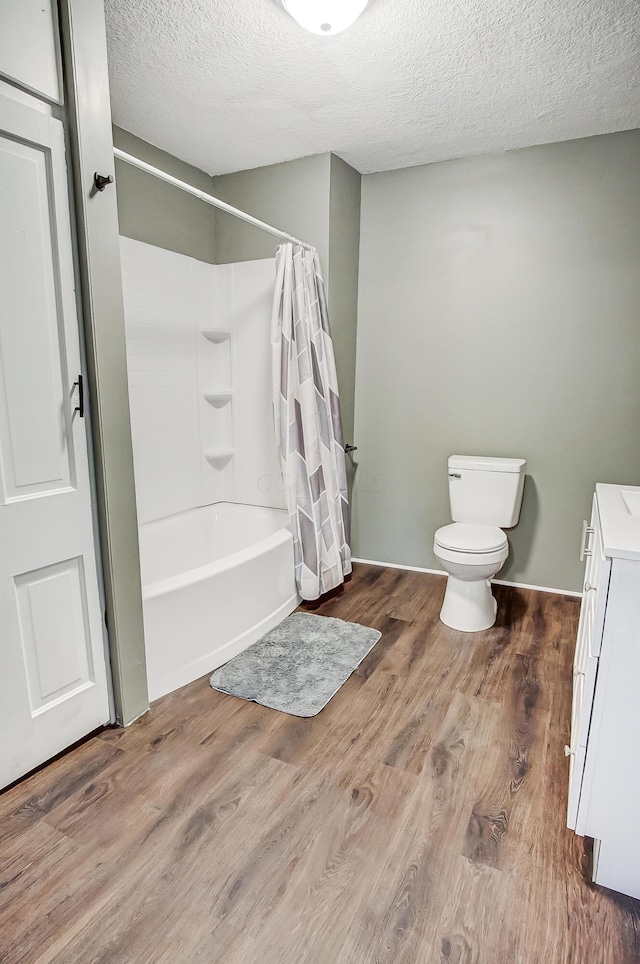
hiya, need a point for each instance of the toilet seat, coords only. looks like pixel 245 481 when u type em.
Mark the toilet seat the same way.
pixel 465 537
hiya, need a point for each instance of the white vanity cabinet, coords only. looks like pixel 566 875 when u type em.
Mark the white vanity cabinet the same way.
pixel 604 754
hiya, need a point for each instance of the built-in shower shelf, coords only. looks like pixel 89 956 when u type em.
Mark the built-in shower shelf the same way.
pixel 216 335
pixel 218 457
pixel 218 399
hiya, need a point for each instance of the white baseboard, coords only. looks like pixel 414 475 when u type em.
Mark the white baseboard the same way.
pixel 394 565
pixel 497 582
pixel 525 585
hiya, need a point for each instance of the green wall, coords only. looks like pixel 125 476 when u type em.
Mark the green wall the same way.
pixel 499 314
pixel 344 244
pixel 316 199
pixel 88 125
pixel 151 210
pixel 292 196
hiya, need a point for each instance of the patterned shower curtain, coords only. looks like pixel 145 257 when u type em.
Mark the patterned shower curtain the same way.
pixel 308 423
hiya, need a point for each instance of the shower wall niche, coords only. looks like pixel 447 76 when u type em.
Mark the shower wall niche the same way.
pixel 199 361
pixel 216 415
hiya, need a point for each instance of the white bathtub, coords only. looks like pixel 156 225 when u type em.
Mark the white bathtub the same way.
pixel 214 580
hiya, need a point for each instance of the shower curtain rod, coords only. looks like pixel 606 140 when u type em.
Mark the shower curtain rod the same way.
pixel 203 196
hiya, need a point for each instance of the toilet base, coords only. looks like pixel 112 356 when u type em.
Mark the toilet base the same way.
pixel 468 606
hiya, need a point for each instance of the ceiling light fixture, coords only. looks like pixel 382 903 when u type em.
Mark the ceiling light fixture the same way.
pixel 325 17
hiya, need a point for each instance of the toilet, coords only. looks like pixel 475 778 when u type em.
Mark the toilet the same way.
pixel 485 495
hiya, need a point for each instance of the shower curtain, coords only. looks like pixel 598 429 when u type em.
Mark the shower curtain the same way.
pixel 308 423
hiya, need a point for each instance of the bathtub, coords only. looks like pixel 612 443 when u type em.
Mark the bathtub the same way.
pixel 214 580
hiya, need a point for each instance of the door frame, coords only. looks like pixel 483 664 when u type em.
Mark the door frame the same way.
pixel 82 28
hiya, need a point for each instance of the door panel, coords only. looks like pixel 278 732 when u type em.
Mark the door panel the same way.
pixel 34 423
pixel 52 606
pixel 29 47
pixel 53 683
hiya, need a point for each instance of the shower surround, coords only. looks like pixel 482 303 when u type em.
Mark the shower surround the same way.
pixel 217 572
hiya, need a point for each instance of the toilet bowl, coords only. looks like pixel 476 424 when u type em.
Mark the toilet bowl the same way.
pixel 471 555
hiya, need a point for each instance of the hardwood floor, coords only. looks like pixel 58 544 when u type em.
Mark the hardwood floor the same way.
pixel 419 818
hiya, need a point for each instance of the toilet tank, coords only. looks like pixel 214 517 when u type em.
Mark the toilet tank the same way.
pixel 486 491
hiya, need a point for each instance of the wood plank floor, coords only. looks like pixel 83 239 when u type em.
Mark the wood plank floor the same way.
pixel 419 818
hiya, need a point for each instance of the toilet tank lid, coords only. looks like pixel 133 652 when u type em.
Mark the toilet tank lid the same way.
pixel 485 464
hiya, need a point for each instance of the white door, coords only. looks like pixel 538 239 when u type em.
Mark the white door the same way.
pixel 53 682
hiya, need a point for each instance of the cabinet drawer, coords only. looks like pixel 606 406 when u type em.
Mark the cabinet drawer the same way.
pixel 584 684
pixel 594 597
pixel 584 639
pixel 594 549
pixel 586 702
pixel 576 707
pixel 576 771
pixel 598 602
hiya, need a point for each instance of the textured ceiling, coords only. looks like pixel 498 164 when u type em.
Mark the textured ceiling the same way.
pixel 235 84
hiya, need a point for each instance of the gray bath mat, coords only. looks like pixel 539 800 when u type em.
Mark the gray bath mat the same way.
pixel 299 665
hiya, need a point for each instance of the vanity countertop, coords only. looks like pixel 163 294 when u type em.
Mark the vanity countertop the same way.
pixel 619 507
